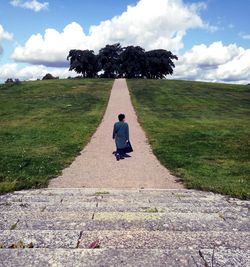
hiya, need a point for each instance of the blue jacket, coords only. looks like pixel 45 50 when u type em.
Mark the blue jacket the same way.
pixel 121 134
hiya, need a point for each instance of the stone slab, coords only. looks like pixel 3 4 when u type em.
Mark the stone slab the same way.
pixel 165 239
pixel 40 239
pixel 133 257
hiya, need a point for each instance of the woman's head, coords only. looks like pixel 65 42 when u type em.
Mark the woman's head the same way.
pixel 121 117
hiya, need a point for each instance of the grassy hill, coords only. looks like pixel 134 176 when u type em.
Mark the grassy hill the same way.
pixel 43 125
pixel 200 131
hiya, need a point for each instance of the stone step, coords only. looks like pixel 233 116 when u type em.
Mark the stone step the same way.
pixel 148 224
pixel 112 200
pixel 188 221
pixel 57 195
pixel 219 257
pixel 125 239
pixel 125 206
pixel 78 194
pixel 122 224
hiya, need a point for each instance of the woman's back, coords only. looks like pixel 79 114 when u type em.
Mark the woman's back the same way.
pixel 121 134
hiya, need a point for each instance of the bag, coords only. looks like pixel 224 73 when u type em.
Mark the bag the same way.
pixel 128 148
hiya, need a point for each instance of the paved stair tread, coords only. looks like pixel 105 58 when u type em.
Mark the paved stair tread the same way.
pixel 125 238
pixel 164 199
pixel 115 204
pixel 221 257
pixel 76 193
pixel 77 222
pixel 171 220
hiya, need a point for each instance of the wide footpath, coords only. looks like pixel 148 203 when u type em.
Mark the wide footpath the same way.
pixel 101 212
pixel 96 165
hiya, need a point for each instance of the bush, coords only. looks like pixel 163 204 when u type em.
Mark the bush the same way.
pixel 49 76
pixel 17 81
pixel 11 81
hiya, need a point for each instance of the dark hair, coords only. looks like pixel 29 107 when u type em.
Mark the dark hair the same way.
pixel 121 117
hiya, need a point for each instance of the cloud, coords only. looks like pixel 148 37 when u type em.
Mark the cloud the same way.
pixel 4 36
pixel 150 24
pixel 52 48
pixel 212 55
pixel 14 70
pixel 212 28
pixel 246 36
pixel 32 5
pixel 236 70
pixel 215 63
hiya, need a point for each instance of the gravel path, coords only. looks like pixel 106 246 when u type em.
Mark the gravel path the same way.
pixel 97 167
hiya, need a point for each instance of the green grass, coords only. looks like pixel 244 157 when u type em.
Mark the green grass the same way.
pixel 100 193
pixel 200 131
pixel 152 210
pixel 44 125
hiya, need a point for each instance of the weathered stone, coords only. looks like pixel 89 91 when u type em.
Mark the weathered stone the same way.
pixel 40 239
pixel 165 239
pixel 120 257
pixel 135 228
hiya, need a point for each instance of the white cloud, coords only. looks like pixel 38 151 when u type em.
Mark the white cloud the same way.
pixel 215 63
pixel 15 71
pixel 52 48
pixel 212 55
pixel 150 24
pixel 246 36
pixel 211 28
pixel 4 36
pixel 238 69
pixel 32 5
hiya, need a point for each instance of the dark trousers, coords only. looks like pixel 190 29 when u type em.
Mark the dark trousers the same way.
pixel 120 151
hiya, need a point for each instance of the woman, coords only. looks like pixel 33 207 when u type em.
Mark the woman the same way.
pixel 121 136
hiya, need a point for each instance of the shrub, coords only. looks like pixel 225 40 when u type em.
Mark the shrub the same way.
pixel 9 80
pixel 17 81
pixel 49 76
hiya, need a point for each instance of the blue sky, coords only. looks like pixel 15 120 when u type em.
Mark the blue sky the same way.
pixel 211 37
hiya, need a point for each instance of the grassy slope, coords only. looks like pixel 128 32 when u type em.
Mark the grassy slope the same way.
pixel 43 125
pixel 200 131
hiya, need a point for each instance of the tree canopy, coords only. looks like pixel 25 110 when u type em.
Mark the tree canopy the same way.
pixel 109 60
pixel 115 61
pixel 84 62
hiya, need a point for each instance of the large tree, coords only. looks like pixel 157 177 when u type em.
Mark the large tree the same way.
pixel 109 60
pixel 84 62
pixel 133 62
pixel 159 63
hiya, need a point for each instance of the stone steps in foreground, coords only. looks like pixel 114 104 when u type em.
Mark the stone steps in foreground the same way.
pixel 144 227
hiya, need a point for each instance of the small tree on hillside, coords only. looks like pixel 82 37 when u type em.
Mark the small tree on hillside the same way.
pixel 48 76
pixel 9 81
